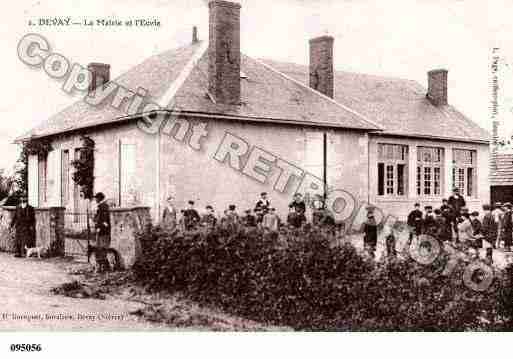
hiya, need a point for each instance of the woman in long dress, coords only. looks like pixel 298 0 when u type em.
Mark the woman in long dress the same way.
pixel 169 216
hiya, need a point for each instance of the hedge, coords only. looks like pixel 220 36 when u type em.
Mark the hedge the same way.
pixel 305 280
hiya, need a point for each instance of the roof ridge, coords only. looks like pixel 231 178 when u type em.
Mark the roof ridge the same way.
pixel 377 127
pixel 385 77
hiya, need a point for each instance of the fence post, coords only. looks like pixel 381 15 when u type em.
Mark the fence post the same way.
pixel 7 242
pixel 50 230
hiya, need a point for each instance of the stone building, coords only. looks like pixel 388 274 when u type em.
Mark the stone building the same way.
pixel 227 127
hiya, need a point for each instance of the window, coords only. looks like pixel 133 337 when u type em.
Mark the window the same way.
pixel 464 171
pixel 430 162
pixel 392 169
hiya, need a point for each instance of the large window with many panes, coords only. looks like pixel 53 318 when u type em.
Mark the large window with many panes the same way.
pixel 430 169
pixel 392 169
pixel 464 171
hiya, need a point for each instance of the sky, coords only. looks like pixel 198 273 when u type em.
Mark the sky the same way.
pixel 394 38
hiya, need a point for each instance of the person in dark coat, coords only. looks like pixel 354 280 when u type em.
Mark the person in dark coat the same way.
pixel 442 234
pixel 249 220
pixel 445 205
pixel 457 202
pixel 209 219
pixel 414 221
pixel 191 217
pixel 297 216
pixel 489 226
pixel 169 220
pixel 477 229
pixel 390 242
pixel 102 226
pixel 507 227
pixel 262 206
pixel 370 230
pixel 24 224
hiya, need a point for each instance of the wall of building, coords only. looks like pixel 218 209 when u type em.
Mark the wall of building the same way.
pixel 188 173
pixel 400 206
pixel 191 174
pixel 107 167
pixel 200 174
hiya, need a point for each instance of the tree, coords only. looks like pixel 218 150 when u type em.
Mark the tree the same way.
pixel 6 184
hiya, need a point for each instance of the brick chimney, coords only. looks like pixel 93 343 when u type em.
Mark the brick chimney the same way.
pixel 100 74
pixel 194 35
pixel 224 52
pixel 321 64
pixel 437 87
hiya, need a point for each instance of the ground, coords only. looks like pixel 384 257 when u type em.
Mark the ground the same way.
pixel 26 290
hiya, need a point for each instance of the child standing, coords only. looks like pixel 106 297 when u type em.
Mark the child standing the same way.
pixel 271 220
pixel 390 241
pixel 190 217
pixel 476 230
pixel 415 222
pixel 209 219
pixel 490 226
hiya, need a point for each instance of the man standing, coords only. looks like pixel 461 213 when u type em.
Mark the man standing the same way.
pixel 457 202
pixel 102 226
pixel 507 227
pixel 24 224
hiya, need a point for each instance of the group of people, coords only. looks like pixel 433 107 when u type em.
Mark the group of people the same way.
pixel 452 222
pixel 263 215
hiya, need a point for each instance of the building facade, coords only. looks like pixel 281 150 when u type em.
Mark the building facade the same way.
pixel 232 127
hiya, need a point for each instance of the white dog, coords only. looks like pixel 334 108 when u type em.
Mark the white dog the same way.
pixel 32 251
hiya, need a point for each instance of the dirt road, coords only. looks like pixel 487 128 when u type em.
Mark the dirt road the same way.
pixel 26 302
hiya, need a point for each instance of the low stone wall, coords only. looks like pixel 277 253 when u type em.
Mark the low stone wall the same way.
pixel 125 223
pixel 50 230
pixel 6 235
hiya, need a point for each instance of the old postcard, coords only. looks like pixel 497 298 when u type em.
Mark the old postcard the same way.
pixel 286 165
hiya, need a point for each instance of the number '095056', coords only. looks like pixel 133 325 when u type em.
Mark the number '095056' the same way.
pixel 26 347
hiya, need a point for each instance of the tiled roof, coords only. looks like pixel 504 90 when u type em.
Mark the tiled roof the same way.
pixel 399 106
pixel 266 95
pixel 501 174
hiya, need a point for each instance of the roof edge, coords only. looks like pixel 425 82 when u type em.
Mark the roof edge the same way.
pixel 443 138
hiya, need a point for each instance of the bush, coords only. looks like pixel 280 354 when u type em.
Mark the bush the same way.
pixel 302 280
